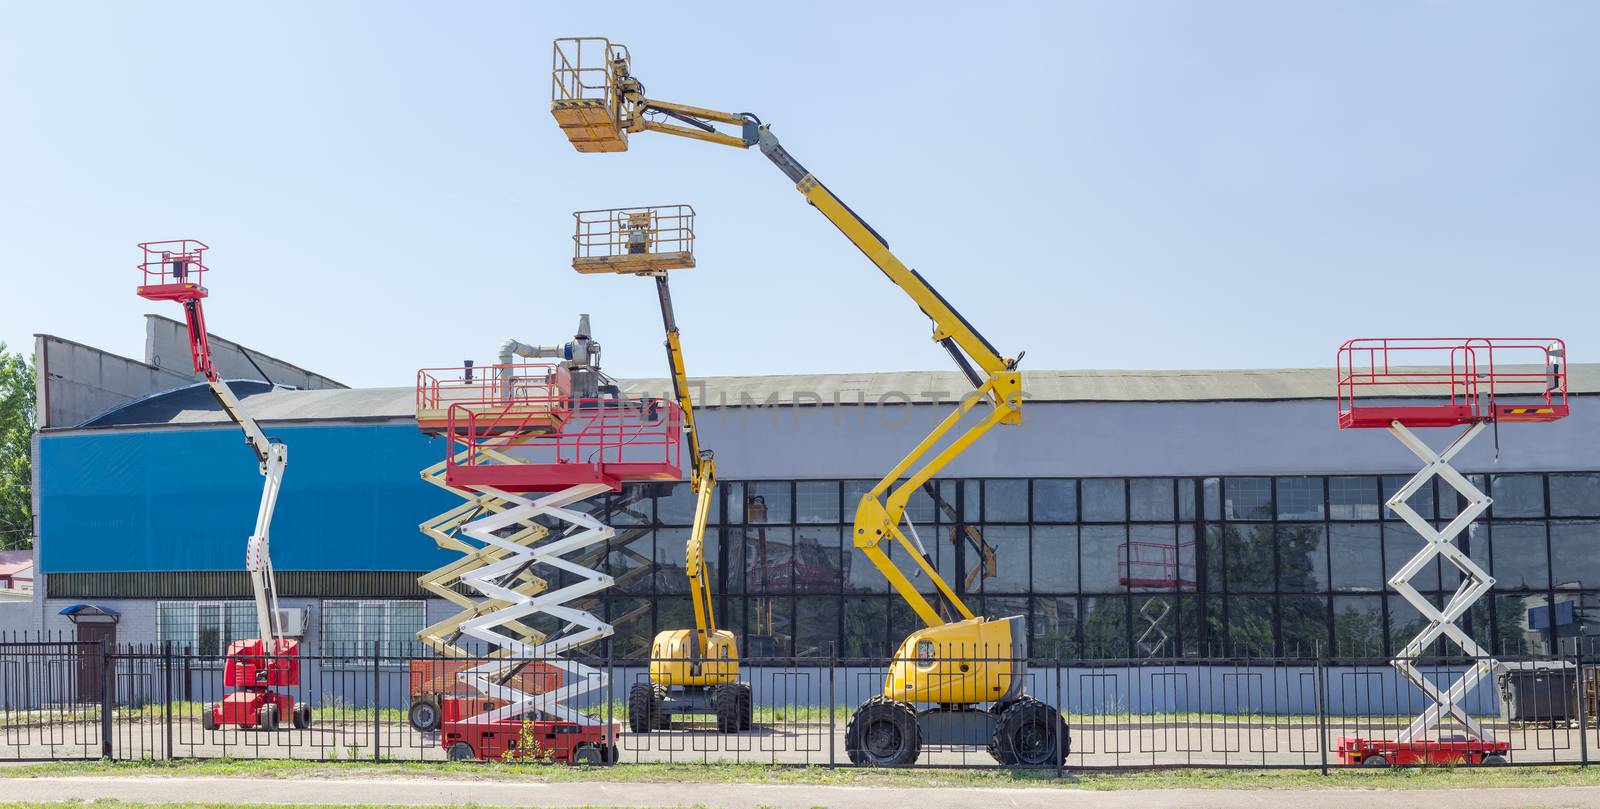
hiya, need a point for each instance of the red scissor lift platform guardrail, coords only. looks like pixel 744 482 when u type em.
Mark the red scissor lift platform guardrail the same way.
pixel 516 428
pixel 1461 380
pixel 1156 564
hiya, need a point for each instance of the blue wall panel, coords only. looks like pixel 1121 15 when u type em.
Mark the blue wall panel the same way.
pixel 186 500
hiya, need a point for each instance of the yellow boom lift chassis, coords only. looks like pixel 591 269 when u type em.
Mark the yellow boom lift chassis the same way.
pixel 956 683
pixel 692 671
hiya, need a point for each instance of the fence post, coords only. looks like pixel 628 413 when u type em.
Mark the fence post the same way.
pixel 373 700
pixel 1060 702
pixel 615 754
pixel 166 692
pixel 833 704
pixel 1322 710
pixel 108 699
pixel 1583 712
pixel 188 676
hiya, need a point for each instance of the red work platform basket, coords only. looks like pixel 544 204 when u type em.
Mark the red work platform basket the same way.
pixel 1156 564
pixel 174 270
pixel 518 428
pixel 1444 382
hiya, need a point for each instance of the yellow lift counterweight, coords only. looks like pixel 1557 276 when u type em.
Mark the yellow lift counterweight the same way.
pixel 692 671
pixel 955 668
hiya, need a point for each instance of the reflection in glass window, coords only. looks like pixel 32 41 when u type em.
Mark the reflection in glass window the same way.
pixel 1055 627
pixel 631 617
pixel 1575 495
pixel 1517 618
pixel 1055 500
pixel 1186 505
pixel 768 554
pixel 1575 553
pixel 1250 626
pixel 861 576
pixel 1211 491
pixel 1005 500
pixel 1249 558
pixel 1099 551
pixel 1353 498
pixel 1521 560
pixel 1517 495
pixel 1357 554
pixel 629 557
pixel 1302 560
pixel 816 626
pixel 818 559
pixel 1421 501
pixel 768 502
pixel 1155 626
pixel 1358 626
pixel 769 627
pixel 920 507
pixel 1152 559
pixel 866 627
pixel 1104 500
pixel 1299 498
pixel 672 576
pixel 816 501
pixel 1055 559
pixel 1215 554
pixel 675 504
pixel 631 506
pixel 1405 623
pixel 1150 500
pixel 1248 499
pixel 1475 540
pixel 1451 501
pixel 1105 627
pixel 1010 546
pixel 1305 625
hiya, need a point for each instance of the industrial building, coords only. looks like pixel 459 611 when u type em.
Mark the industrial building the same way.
pixel 1266 520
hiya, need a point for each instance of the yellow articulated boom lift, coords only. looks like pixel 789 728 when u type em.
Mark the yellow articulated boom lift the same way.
pixel 956 683
pixel 692 671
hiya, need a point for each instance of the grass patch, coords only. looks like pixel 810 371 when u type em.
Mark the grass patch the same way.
pixel 1356 778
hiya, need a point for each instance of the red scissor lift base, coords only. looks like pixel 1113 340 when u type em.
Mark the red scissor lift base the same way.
pixel 1354 750
pixel 556 741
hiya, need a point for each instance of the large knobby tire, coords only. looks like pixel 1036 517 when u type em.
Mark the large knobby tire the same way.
pixel 1030 733
pixel 883 733
pixel 424 715
pixel 267 717
pixel 208 717
pixel 302 716
pixel 643 712
pixel 730 702
pixel 746 706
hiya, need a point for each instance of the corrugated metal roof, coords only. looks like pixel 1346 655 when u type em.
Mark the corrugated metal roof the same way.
pixel 812 389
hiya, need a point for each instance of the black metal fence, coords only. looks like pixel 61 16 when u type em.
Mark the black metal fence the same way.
pixel 62 700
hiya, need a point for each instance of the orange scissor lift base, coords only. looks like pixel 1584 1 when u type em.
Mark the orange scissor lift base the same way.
pixel 1466 382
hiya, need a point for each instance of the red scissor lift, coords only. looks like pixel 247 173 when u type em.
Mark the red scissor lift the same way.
pixel 517 430
pixel 1403 383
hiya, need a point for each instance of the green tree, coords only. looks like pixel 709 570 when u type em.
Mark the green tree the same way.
pixel 16 456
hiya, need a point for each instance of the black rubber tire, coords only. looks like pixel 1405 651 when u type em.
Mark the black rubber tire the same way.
pixel 746 707
pixel 267 717
pixel 663 716
pixel 727 701
pixel 424 715
pixel 1374 761
pixel 302 716
pixel 1030 733
pixel 1494 760
pixel 642 708
pixel 587 753
pixel 613 754
pixel 883 733
pixel 208 717
pixel 460 751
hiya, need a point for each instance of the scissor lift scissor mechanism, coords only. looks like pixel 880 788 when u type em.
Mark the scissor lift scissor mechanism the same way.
pixel 1474 384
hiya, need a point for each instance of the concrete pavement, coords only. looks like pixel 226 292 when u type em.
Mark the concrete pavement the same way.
pixel 425 792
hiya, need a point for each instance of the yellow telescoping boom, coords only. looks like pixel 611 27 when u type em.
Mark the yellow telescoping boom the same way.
pixel 954 666
pixel 691 671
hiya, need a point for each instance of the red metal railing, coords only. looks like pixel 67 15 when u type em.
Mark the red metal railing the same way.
pixel 530 384
pixel 1156 564
pixel 175 261
pixel 600 440
pixel 1464 380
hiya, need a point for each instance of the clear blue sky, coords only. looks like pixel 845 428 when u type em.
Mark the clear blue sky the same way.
pixel 1107 185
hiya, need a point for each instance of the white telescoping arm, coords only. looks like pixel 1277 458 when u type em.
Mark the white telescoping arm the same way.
pixel 273 457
